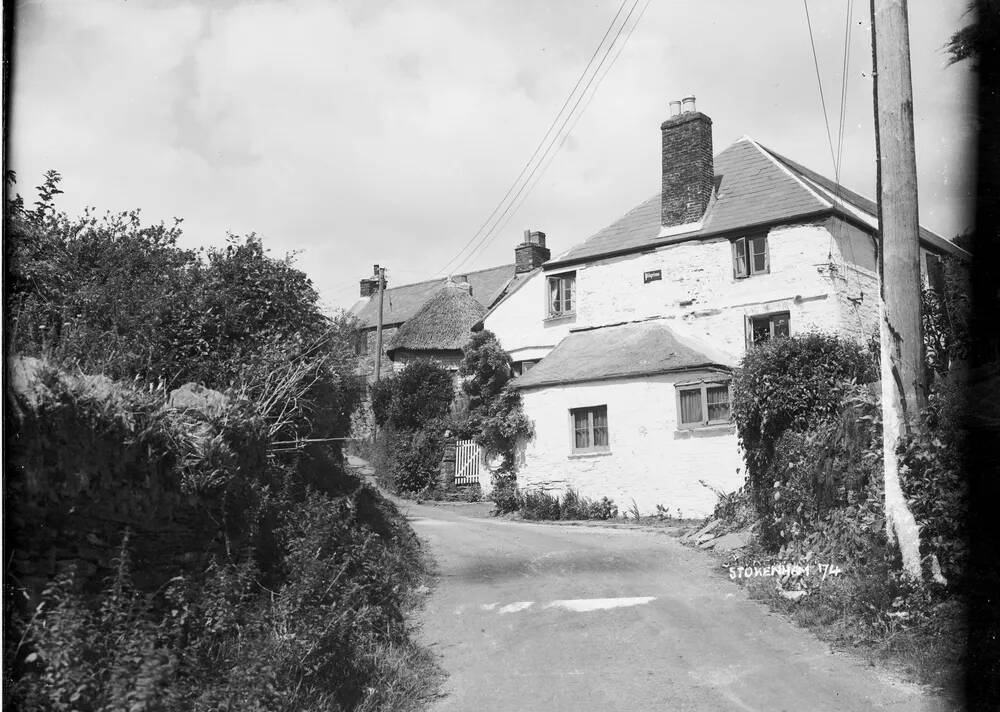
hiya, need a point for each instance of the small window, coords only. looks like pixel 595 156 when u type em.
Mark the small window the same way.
pixel 750 256
pixel 703 404
pixel 590 428
pixel 522 367
pixel 562 295
pixel 766 327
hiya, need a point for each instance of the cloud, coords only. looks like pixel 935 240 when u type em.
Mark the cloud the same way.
pixel 362 132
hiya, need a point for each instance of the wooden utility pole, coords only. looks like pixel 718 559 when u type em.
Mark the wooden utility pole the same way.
pixel 380 276
pixel 904 387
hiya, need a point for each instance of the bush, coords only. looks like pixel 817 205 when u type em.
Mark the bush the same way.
pixel 413 398
pixel 539 505
pixel 505 496
pixel 933 477
pixel 219 640
pixel 416 465
pixel 789 384
pixel 495 418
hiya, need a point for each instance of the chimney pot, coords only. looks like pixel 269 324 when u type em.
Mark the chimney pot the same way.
pixel 532 252
pixel 675 108
pixel 688 168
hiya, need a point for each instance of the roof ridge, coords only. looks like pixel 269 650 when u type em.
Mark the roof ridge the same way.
pixel 785 169
pixel 448 276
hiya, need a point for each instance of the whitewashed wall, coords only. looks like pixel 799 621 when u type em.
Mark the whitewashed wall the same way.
pixel 521 324
pixel 699 290
pixel 649 460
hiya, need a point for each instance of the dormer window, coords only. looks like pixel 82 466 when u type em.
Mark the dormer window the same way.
pixel 750 256
pixel 562 294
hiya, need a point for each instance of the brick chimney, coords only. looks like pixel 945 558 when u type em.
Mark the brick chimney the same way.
pixel 688 170
pixel 370 286
pixel 531 253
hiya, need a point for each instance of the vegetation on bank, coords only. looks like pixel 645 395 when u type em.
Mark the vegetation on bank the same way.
pixel 808 414
pixel 194 548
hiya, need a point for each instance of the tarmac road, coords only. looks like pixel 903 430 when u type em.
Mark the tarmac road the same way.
pixel 540 617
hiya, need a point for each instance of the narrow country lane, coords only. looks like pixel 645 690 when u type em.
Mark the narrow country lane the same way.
pixel 532 617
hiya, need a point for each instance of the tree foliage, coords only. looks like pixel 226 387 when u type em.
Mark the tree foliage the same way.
pixel 496 419
pixel 790 384
pixel 411 399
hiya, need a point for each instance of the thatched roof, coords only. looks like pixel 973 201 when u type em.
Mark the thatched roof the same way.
pixel 621 351
pixel 444 323
pixel 403 302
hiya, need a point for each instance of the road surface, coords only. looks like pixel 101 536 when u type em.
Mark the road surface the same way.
pixel 543 617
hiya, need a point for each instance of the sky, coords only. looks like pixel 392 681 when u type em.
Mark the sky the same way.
pixel 356 132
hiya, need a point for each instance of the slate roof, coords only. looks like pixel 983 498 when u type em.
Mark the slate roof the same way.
pixel 621 351
pixel 403 302
pixel 754 187
pixel 443 323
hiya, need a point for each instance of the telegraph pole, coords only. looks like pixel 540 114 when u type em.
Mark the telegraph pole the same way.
pixel 904 386
pixel 380 276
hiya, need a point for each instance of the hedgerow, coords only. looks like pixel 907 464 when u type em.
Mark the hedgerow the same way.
pixel 187 548
pixel 410 408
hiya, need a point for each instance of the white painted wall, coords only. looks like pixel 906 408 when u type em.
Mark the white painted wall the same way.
pixel 649 460
pixel 521 321
pixel 699 290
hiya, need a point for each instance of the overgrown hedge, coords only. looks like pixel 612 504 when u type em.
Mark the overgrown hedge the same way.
pixel 789 385
pixel 411 408
pixel 197 549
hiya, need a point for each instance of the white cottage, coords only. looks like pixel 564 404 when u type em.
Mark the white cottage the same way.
pixel 626 341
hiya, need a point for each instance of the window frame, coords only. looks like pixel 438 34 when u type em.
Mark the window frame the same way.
pixel 703 387
pixel 561 280
pixel 589 449
pixel 743 247
pixel 770 316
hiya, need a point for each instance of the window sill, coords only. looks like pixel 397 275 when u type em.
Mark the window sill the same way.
pixel 588 453
pixel 704 430
pixel 559 317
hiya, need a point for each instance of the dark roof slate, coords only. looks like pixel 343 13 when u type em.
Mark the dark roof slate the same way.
pixel 620 351
pixel 755 186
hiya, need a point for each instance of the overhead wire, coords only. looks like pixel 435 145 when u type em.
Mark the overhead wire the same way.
pixel 593 93
pixel 545 136
pixel 486 238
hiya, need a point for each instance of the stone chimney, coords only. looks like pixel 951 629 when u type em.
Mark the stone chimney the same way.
pixel 688 170
pixel 531 253
pixel 370 286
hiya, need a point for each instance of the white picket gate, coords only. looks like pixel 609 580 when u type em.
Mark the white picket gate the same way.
pixel 469 462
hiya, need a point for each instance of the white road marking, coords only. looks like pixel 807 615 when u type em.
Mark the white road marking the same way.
pixel 582 605
pixel 516 607
pixel 577 605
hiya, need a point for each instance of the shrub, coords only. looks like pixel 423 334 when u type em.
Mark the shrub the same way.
pixel 416 464
pixel 537 504
pixel 933 477
pixel 789 384
pixel 505 496
pixel 413 398
pixel 495 418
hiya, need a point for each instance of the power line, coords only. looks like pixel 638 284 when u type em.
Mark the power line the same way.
pixel 819 80
pixel 555 119
pixel 578 116
pixel 485 239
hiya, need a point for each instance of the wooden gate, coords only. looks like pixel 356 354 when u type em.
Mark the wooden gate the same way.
pixel 469 462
